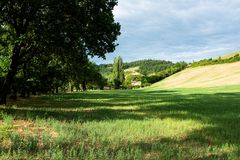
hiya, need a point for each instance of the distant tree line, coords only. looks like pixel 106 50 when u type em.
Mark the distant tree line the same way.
pixel 167 72
pixel 211 61
pixel 146 67
pixel 150 71
pixel 149 66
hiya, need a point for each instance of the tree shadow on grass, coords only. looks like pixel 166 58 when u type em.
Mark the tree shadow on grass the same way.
pixel 219 107
pixel 73 101
pixel 220 110
pixel 188 148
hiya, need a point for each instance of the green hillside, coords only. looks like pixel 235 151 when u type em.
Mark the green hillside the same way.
pixel 203 76
pixel 141 71
pixel 145 67
pixel 227 58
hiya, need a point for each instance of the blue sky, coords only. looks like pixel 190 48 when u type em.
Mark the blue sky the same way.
pixel 176 30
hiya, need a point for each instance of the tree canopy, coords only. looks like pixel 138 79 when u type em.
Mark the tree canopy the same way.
pixel 118 72
pixel 57 29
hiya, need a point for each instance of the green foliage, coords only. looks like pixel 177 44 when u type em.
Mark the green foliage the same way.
pixel 4 63
pixel 211 61
pixel 167 72
pixel 92 76
pixel 5 49
pixel 51 76
pixel 118 72
pixel 65 30
pixel 146 67
pixel 7 126
pixel 149 66
pixel 106 71
pixel 129 79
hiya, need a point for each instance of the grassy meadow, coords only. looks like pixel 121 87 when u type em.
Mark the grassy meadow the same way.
pixel 151 123
pixel 203 76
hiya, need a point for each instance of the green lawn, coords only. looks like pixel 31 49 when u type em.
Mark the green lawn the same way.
pixel 149 123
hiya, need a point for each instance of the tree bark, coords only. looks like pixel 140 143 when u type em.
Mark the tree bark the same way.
pixel 14 91
pixel 10 75
pixel 84 87
pixel 23 86
pixel 57 90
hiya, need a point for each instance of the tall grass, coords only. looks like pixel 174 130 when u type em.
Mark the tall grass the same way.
pixel 140 124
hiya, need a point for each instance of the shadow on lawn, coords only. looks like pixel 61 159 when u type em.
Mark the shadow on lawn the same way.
pixel 168 148
pixel 220 110
pixel 220 107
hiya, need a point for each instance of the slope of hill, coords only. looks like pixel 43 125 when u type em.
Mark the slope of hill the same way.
pixel 226 56
pixel 204 76
pixel 149 66
pixel 132 71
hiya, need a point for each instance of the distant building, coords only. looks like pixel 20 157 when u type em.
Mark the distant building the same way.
pixel 107 88
pixel 136 83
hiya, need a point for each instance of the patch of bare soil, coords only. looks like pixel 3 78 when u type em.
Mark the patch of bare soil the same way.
pixel 26 129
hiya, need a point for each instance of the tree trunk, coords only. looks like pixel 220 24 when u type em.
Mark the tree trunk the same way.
pixel 56 90
pixel 14 91
pixel 23 93
pixel 28 94
pixel 23 86
pixel 84 87
pixel 7 84
pixel 10 75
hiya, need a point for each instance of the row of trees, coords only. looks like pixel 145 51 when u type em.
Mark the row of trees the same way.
pixel 114 72
pixel 211 61
pixel 146 67
pixel 149 66
pixel 167 72
pixel 41 41
pixel 52 75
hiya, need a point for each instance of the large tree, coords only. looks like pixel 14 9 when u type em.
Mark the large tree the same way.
pixel 88 75
pixel 66 29
pixel 118 72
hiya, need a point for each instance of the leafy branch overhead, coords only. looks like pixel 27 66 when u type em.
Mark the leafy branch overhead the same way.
pixel 66 29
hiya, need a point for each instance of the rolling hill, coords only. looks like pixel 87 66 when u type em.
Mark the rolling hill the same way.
pixel 226 56
pixel 140 67
pixel 203 76
pixel 132 71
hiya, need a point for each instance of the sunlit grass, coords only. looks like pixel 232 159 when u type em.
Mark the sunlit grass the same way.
pixel 139 124
pixel 204 76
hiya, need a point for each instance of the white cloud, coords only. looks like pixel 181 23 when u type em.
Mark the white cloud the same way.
pixel 177 29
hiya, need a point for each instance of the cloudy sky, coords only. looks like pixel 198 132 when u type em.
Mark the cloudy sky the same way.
pixel 176 30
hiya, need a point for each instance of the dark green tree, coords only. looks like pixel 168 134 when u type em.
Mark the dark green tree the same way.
pixel 118 72
pixel 86 74
pixel 92 77
pixel 62 28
